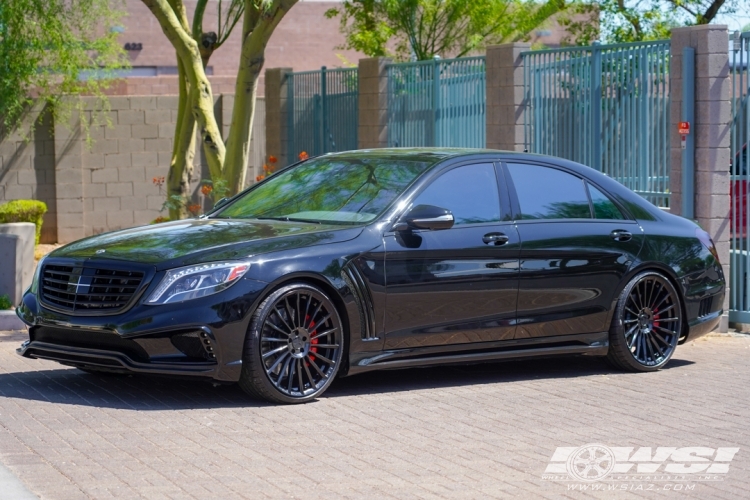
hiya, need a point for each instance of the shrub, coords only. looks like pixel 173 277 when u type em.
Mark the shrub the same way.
pixel 5 302
pixel 24 211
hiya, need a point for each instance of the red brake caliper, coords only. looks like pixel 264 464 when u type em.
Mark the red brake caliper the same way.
pixel 656 318
pixel 313 341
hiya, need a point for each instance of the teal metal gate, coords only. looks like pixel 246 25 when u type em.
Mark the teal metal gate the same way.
pixel 606 106
pixel 739 256
pixel 323 111
pixel 437 103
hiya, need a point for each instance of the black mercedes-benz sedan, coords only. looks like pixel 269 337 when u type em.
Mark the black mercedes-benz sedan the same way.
pixel 380 259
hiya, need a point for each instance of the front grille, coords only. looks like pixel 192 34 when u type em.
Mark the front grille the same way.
pixel 77 288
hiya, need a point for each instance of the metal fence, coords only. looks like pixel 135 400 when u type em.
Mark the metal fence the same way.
pixel 739 257
pixel 606 106
pixel 323 111
pixel 437 103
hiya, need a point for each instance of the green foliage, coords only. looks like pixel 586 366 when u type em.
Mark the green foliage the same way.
pixel 50 48
pixel 423 29
pixel 619 21
pixel 24 211
pixel 5 302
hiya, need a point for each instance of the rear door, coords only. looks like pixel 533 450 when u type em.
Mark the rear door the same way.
pixel 458 285
pixel 576 246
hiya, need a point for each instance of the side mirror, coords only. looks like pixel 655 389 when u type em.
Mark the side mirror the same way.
pixel 425 217
pixel 221 203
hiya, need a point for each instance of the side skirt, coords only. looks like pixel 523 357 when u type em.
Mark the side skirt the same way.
pixel 592 344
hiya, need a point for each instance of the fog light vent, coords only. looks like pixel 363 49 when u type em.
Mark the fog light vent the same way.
pixel 194 345
pixel 705 307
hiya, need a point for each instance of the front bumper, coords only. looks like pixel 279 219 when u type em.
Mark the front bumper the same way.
pixel 202 337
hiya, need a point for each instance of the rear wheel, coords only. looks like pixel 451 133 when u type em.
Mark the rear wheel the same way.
pixel 647 324
pixel 293 347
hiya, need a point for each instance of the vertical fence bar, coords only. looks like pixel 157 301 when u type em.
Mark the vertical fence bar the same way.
pixel 323 112
pixel 606 106
pixel 688 115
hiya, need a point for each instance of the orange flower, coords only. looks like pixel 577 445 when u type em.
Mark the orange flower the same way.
pixel 272 159
pixel 260 178
pixel 206 189
pixel 194 208
pixel 158 181
pixel 303 155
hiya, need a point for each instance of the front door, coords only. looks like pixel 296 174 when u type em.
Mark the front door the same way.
pixel 457 285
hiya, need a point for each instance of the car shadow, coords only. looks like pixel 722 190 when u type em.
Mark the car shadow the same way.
pixel 478 374
pixel 146 393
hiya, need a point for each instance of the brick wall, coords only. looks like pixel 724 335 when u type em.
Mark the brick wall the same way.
pixel 107 185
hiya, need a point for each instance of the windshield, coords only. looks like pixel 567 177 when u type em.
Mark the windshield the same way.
pixel 328 190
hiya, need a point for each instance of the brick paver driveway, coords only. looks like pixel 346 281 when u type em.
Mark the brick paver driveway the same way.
pixel 461 432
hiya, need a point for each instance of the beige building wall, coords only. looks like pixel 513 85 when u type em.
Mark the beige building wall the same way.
pixel 107 185
pixel 303 40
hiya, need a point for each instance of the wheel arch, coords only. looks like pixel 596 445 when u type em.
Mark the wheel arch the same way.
pixel 668 273
pixel 331 291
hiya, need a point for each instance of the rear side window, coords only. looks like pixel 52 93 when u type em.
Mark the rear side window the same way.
pixel 603 206
pixel 548 193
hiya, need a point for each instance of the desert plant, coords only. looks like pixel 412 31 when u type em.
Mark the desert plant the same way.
pixel 24 211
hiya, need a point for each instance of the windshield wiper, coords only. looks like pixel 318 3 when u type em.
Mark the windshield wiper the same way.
pixel 289 219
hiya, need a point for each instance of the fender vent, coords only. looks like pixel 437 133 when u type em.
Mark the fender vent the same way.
pixel 705 307
pixel 357 284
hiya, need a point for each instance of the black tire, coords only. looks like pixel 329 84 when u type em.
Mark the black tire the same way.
pixel 647 324
pixel 293 347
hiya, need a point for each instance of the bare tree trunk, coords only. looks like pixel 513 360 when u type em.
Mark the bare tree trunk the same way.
pixel 200 97
pixel 256 31
pixel 183 151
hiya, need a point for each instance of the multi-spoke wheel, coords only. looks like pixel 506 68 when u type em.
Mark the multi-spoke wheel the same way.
pixel 294 345
pixel 647 324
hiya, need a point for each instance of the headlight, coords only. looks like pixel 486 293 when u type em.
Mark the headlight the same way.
pixel 191 282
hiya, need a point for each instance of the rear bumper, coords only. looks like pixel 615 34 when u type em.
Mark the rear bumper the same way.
pixel 703 325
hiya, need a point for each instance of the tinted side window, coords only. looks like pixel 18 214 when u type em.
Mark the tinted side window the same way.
pixel 470 192
pixel 603 206
pixel 548 193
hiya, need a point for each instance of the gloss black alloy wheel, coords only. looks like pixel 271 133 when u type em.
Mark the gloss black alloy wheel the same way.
pixel 647 324
pixel 294 346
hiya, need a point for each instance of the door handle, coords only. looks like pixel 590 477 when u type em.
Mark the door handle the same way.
pixel 620 235
pixel 495 239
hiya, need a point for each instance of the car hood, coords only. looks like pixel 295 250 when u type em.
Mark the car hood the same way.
pixel 187 242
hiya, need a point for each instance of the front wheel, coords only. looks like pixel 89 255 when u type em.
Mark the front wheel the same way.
pixel 647 324
pixel 293 347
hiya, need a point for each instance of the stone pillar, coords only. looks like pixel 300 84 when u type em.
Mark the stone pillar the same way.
pixel 277 139
pixel 712 131
pixel 373 103
pixel 505 96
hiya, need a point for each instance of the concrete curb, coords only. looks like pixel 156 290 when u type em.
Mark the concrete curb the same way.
pixel 9 321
